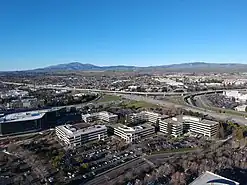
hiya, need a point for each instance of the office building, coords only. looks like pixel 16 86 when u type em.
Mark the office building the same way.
pixel 76 135
pixel 164 126
pixel 23 122
pixel 151 116
pixel 107 116
pixel 213 179
pixel 137 117
pixel 104 116
pixel 176 126
pixel 171 126
pixel 88 117
pixel 238 96
pixel 131 134
pixel 200 126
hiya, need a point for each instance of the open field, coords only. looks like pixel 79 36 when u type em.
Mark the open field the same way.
pixel 141 104
pixel 106 98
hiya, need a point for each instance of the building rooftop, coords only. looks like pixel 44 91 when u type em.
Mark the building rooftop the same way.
pixel 106 113
pixel 132 129
pixel 209 178
pixel 25 116
pixel 150 112
pixel 173 120
pixel 209 122
pixel 80 129
pixel 191 118
pixel 180 119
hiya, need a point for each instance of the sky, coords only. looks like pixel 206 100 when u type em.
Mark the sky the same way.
pixel 39 33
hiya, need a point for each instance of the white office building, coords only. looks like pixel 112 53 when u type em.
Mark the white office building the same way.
pixel 104 116
pixel 131 134
pixel 137 117
pixel 76 135
pixel 205 127
pixel 176 126
pixel 151 116
pixel 88 117
pixel 239 97
pixel 241 108
pixel 171 126
pixel 164 126
pixel 107 116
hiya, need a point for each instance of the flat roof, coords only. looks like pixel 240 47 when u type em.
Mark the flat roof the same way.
pixel 99 113
pixel 181 119
pixel 105 112
pixel 174 121
pixel 132 129
pixel 209 122
pixel 210 178
pixel 25 116
pixel 150 112
pixel 80 129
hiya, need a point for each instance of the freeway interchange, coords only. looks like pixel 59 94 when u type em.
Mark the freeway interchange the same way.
pixel 105 174
pixel 144 96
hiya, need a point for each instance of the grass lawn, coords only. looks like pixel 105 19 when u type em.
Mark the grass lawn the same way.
pixel 106 98
pixel 141 104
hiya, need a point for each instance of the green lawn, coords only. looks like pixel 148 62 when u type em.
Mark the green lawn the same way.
pixel 106 98
pixel 141 104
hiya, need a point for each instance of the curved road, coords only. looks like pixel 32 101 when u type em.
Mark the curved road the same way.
pixel 134 96
pixel 221 116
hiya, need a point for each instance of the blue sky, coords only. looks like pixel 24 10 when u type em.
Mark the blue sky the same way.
pixel 38 33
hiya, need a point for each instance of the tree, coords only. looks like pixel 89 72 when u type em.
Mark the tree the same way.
pixel 221 131
pixel 239 133
pixel 12 147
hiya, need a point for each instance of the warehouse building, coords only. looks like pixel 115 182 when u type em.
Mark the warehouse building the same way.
pixel 76 135
pixel 131 134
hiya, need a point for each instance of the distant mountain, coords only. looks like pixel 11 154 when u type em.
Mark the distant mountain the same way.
pixel 77 66
pixel 183 67
pixel 74 66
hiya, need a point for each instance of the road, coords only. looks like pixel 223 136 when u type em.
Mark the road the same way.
pixel 221 116
pixel 108 91
pixel 104 178
pixel 134 96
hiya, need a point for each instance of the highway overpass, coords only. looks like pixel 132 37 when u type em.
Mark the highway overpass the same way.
pixel 109 91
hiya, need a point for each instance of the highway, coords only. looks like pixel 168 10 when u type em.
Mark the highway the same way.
pixel 134 96
pixel 109 91
pixel 221 116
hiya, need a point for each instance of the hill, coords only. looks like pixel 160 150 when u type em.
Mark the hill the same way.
pixel 183 67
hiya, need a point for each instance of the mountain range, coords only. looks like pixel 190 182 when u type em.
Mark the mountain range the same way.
pixel 183 67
